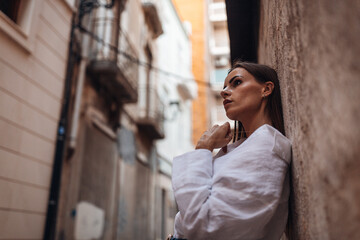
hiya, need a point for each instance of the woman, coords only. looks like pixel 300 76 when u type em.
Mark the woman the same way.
pixel 242 192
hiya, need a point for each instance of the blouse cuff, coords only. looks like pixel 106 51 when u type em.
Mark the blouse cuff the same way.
pixel 193 168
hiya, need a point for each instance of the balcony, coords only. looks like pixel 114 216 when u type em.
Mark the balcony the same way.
pixel 217 12
pixel 150 118
pixel 115 72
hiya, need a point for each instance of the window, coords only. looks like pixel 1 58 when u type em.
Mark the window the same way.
pixel 10 9
pixel 18 11
pixel 17 18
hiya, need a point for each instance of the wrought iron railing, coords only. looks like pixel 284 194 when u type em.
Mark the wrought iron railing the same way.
pixel 151 111
pixel 113 58
pixel 127 60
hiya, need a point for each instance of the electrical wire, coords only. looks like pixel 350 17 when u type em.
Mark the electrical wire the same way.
pixel 86 7
pixel 136 60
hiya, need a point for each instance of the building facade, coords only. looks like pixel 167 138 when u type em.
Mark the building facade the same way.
pixel 195 12
pixel 219 58
pixel 90 129
pixel 34 38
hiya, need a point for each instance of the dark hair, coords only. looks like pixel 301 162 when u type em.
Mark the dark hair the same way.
pixel 263 74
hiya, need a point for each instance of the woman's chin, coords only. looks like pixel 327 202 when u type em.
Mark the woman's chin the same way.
pixel 231 116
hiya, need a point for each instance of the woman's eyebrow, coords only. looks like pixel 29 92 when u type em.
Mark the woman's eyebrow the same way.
pixel 232 79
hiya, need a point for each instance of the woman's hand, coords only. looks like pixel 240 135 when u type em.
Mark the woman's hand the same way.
pixel 216 137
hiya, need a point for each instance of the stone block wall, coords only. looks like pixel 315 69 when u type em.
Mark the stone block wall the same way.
pixel 314 45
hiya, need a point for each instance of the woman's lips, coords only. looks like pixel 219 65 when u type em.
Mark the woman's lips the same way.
pixel 226 102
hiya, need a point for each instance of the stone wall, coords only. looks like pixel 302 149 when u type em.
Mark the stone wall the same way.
pixel 314 45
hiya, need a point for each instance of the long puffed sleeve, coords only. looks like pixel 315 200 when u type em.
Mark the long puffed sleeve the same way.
pixel 240 195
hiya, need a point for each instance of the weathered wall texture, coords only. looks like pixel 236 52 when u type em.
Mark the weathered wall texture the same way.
pixel 314 45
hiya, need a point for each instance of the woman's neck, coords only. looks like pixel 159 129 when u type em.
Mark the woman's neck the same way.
pixel 250 125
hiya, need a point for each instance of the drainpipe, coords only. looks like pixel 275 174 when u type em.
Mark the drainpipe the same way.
pixel 60 149
pixel 51 216
pixel 50 224
pixel 85 39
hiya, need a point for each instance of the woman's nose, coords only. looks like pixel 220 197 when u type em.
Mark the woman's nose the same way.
pixel 225 93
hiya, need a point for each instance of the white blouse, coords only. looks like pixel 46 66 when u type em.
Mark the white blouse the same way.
pixel 242 194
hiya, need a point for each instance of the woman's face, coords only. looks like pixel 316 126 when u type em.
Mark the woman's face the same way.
pixel 242 95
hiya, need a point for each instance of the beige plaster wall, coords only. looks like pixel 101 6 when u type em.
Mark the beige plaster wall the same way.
pixel 315 47
pixel 33 59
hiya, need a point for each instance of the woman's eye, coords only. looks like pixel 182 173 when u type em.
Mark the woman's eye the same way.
pixel 236 82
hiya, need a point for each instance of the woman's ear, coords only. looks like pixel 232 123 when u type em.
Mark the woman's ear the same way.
pixel 268 88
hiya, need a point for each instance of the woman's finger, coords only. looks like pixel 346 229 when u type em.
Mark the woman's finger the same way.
pixel 213 128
